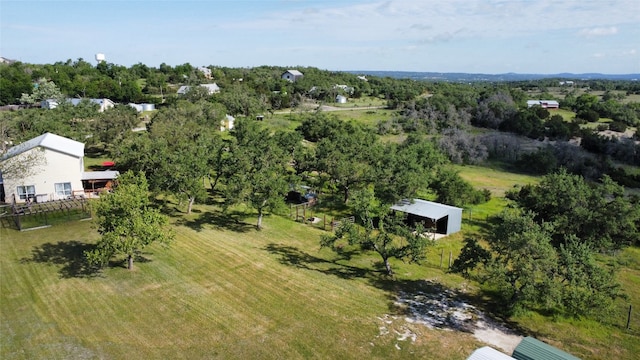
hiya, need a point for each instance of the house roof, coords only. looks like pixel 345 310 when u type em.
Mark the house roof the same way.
pixel 211 88
pixel 294 72
pixel 424 208
pixel 540 102
pixel 488 353
pixel 534 349
pixel 100 175
pixel 48 141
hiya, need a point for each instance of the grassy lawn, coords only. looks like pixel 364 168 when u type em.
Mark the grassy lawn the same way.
pixel 493 178
pixel 567 115
pixel 225 290
pixel 222 290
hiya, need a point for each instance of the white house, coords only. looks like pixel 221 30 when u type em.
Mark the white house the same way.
pixel 227 123
pixel 341 99
pixel 292 75
pixel 546 104
pixel 103 104
pixel 205 71
pixel 47 167
pixel 143 107
pixel 211 88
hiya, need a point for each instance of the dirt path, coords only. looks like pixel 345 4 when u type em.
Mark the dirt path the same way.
pixel 444 309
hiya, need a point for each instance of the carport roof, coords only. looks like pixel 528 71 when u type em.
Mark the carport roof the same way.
pixel 424 208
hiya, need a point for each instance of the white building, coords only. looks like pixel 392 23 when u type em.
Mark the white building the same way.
pixel 47 167
pixel 211 88
pixel 103 104
pixel 546 104
pixel 292 75
pixel 444 219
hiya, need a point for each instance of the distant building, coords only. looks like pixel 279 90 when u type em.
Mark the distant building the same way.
pixel 103 104
pixel 292 75
pixel 566 83
pixel 227 123
pixel 348 89
pixel 211 88
pixel 143 107
pixel 205 71
pixel 546 104
pixel 4 60
pixel 341 99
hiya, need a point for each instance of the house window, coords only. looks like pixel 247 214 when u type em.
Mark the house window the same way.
pixel 27 192
pixel 63 189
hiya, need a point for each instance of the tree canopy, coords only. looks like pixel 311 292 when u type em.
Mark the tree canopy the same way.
pixel 378 230
pixel 127 222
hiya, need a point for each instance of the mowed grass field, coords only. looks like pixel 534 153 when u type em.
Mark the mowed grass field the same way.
pixel 224 290
pixel 219 292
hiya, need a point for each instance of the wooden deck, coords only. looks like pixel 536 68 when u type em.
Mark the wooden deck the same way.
pixel 43 212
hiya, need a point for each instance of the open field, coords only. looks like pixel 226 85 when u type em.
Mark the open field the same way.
pixel 494 179
pixel 225 290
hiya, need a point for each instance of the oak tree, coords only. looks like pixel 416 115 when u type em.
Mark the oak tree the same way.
pixel 127 222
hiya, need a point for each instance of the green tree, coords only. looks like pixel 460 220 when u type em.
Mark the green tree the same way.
pixel 14 81
pixel 528 272
pixel 390 237
pixel 259 175
pixel 597 214
pixel 42 90
pixel 175 153
pixel 401 170
pixel 127 222
pixel 347 157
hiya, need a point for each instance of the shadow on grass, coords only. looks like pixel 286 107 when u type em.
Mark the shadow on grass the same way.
pixel 232 221
pixel 67 254
pixel 292 256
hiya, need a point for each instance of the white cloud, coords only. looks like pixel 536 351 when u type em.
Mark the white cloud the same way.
pixel 599 31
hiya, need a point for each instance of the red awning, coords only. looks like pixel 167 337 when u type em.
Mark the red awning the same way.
pixel 108 163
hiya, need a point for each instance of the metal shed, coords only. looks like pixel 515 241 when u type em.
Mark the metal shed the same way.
pixel 533 349
pixel 444 218
pixel 488 353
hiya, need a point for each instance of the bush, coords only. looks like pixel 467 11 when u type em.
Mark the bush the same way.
pixel 618 126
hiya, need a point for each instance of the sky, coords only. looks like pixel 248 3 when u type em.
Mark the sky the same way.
pixel 472 36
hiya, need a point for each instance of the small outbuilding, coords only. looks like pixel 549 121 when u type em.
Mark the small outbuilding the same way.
pixel 534 349
pixel 443 218
pixel 488 353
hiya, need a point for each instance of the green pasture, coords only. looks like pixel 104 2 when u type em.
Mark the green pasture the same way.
pixel 223 290
pixel 493 178
pixel 226 290
pixel 567 115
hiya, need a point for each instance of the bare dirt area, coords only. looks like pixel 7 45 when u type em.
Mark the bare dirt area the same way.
pixel 445 309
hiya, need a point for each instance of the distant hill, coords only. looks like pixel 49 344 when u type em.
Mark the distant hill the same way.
pixel 466 77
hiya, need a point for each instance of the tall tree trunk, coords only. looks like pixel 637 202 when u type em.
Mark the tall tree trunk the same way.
pixel 388 266
pixel 346 194
pixel 130 262
pixel 191 201
pixel 259 225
